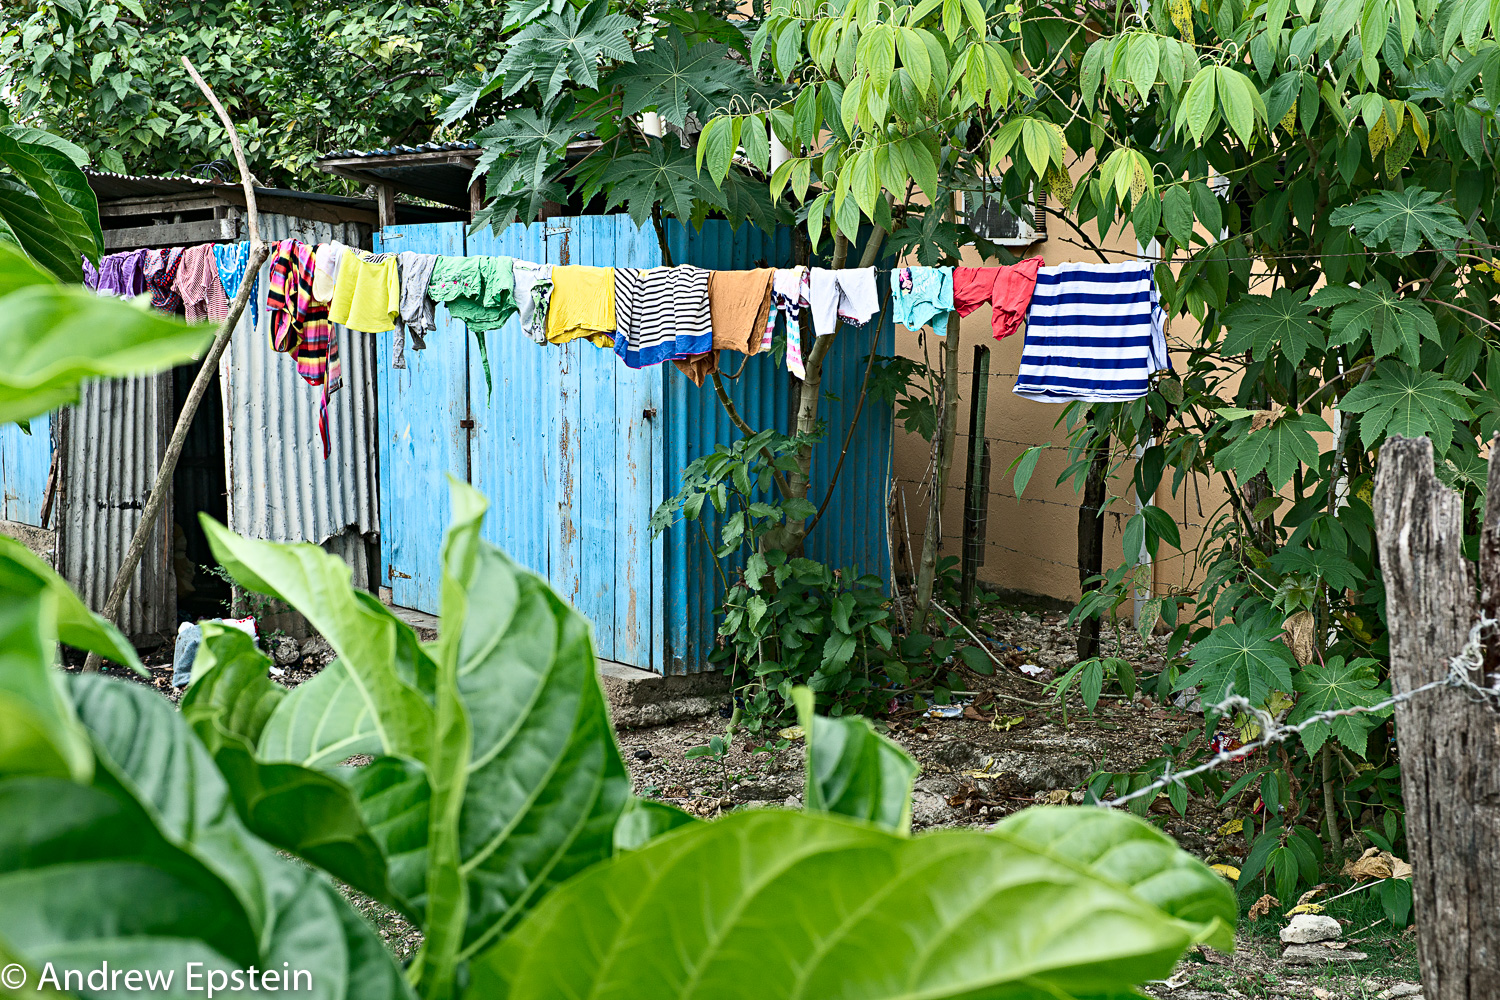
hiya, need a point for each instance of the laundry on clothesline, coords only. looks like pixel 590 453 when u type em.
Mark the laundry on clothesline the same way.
pixel 661 314
pixel 922 296
pixel 1007 289
pixel 1094 332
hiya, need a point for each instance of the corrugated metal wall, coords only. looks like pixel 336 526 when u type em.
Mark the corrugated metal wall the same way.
pixel 575 450
pixel 24 463
pixel 113 444
pixel 280 486
pixel 852 533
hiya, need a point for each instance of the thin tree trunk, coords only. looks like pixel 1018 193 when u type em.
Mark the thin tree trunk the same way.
pixel 1091 542
pixel 948 431
pixel 209 370
pixel 1449 738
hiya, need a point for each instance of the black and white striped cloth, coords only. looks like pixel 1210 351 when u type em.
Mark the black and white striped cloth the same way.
pixel 661 314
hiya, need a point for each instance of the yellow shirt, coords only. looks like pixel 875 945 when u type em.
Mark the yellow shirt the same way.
pixel 367 296
pixel 583 305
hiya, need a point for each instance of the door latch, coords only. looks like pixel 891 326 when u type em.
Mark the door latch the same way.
pixel 648 413
pixel 466 424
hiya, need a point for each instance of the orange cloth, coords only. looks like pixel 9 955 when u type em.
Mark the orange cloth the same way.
pixel 738 303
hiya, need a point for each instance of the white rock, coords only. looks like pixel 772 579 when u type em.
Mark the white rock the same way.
pixel 1316 954
pixel 1308 928
pixel 1399 991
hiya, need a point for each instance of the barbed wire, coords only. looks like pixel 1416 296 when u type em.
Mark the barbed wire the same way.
pixel 1467 660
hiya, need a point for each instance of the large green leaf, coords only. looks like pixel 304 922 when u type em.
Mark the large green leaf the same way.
pixel 1282 320
pixel 854 771
pixel 1278 448
pixel 1393 324
pixel 296 808
pixel 1401 400
pixel 44 199
pixel 39 732
pixel 679 80
pixel 1334 686
pixel 663 173
pixel 566 48
pixel 803 905
pixel 522 153
pixel 1404 220
pixel 1235 657
pixel 52 338
pixel 88 878
pixel 77 625
pixel 519 782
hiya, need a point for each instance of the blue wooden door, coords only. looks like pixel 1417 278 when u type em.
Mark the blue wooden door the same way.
pixel 25 461
pixel 422 410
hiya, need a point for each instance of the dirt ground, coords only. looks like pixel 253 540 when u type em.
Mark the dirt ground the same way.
pixel 1012 747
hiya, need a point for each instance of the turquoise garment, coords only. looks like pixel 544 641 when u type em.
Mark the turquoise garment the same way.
pixel 231 258
pixel 922 296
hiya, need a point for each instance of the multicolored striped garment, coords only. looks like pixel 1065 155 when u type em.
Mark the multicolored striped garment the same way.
pixel 661 313
pixel 1094 332
pixel 300 325
pixel 161 278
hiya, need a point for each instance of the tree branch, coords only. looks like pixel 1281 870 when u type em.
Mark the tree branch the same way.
pixel 744 428
pixel 208 370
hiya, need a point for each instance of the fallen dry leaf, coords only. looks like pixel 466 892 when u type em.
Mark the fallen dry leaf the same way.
pixel 1233 826
pixel 1262 906
pixel 1057 796
pixel 1376 864
pixel 1228 871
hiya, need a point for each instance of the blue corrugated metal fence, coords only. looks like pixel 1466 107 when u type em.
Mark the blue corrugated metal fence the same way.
pixel 575 450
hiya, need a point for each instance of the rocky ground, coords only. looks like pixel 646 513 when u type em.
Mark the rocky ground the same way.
pixel 1012 746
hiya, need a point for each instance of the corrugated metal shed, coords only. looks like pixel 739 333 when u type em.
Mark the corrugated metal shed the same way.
pixel 25 460
pixel 112 446
pixel 280 486
pixel 575 450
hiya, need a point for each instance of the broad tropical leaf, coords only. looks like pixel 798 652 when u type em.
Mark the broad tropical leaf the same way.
pixel 52 338
pixel 1393 324
pixel 39 732
pixel 854 771
pixel 1237 658
pixel 77 625
pixel 296 808
pixel 1404 220
pixel 679 80
pixel 565 48
pixel 1277 449
pixel 1335 685
pixel 1102 903
pixel 644 820
pixel 45 203
pixel 522 157
pixel 1281 321
pixel 1401 400
pixel 662 173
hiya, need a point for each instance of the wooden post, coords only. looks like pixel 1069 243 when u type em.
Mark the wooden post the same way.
pixel 1091 541
pixel 976 489
pixel 1449 742
pixel 385 205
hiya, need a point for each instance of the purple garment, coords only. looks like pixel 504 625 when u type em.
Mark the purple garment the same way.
pixel 122 274
pixel 90 274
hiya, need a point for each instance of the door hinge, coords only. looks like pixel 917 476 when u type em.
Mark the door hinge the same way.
pixel 398 576
pixel 466 424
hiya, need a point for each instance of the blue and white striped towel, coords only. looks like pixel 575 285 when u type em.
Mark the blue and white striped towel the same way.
pixel 1094 332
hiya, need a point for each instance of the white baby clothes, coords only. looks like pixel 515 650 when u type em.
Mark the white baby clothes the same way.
pixel 846 294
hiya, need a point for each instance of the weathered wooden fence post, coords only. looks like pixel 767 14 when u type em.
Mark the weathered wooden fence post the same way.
pixel 1449 741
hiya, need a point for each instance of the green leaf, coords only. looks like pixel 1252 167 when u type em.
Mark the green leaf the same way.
pixel 644 820
pixel 39 186
pixel 1025 465
pixel 1394 325
pixel 1142 60
pixel 566 48
pixel 1277 448
pixel 1335 686
pixel 1281 322
pixel 1235 657
pixel 1177 213
pixel 39 732
pixel 298 809
pixel 53 337
pixel 77 625
pixel 664 173
pixel 1404 220
pixel 1401 400
pixel 1198 104
pixel 883 921
pixel 854 771
pixel 679 80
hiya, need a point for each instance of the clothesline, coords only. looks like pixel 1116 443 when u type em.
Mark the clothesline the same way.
pixel 1094 331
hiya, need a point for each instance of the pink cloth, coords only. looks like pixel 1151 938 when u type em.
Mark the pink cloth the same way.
pixel 1007 289
pixel 199 285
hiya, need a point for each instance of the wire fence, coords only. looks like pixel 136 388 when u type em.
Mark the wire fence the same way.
pixel 1466 661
